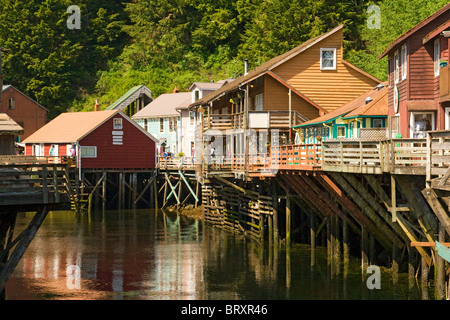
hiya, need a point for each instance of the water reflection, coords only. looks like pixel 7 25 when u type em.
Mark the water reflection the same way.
pixel 154 255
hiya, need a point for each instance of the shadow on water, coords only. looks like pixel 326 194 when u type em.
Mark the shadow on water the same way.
pixel 143 254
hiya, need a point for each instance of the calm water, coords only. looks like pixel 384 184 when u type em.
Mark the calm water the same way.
pixel 147 255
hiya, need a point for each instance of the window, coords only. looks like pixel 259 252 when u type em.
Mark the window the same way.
pixel 259 100
pixel 173 124
pixel 437 56
pixel 420 123
pixel 328 58
pixel 191 118
pixel 161 124
pixel 11 103
pixel 88 152
pixel 396 67
pixel 340 132
pixel 196 95
pixel 377 123
pixel 117 124
pixel 404 61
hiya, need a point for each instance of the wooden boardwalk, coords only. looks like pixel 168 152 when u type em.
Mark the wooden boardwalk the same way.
pixel 389 196
pixel 28 184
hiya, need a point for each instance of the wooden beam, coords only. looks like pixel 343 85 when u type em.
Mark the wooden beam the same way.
pixel 22 246
pixel 439 211
pixel 427 244
pixel 366 208
pixel 231 184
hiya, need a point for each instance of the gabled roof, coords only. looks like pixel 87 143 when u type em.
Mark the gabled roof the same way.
pixel 165 105
pixel 270 65
pixel 443 27
pixel 209 85
pixel 71 127
pixel 418 26
pixel 356 108
pixel 6 87
pixel 130 96
pixel 8 125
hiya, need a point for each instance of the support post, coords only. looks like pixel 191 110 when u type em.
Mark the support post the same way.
pixel 288 221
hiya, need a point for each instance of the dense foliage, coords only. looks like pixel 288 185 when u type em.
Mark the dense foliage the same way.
pixel 168 43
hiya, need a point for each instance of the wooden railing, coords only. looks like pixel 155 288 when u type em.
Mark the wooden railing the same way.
pixel 352 156
pixel 405 156
pixel 277 119
pixel 176 163
pixel 438 153
pixel 301 156
pixel 444 82
pixel 10 159
pixel 429 156
pixel 31 184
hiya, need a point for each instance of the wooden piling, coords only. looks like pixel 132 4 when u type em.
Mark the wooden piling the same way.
pixel 288 222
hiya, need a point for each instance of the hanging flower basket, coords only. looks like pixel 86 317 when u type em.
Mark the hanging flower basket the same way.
pixel 318 138
pixel 443 63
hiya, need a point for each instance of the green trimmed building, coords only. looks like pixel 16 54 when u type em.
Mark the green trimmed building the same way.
pixel 362 118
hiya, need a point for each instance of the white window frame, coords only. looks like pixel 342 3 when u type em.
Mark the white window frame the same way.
pixel 117 123
pixel 396 67
pixel 11 103
pixel 436 56
pixel 37 150
pixel 412 122
pixel 334 58
pixel 161 122
pixel 337 132
pixel 447 118
pixel 192 118
pixel 259 102
pixel 404 61
pixel 88 151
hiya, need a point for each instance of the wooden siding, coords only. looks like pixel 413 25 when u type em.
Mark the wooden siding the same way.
pixel 276 97
pixel 137 151
pixel 27 113
pixel 328 88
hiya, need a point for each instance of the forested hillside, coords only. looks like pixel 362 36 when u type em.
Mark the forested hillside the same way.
pixel 163 43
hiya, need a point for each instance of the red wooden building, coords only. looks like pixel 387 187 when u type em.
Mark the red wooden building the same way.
pixel 29 114
pixel 99 140
pixel 418 77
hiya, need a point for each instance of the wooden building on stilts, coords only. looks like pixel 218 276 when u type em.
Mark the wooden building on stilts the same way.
pixel 115 158
pixel 384 198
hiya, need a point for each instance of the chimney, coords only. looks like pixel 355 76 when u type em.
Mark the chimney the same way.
pixel 97 105
pixel 175 90
pixel 245 67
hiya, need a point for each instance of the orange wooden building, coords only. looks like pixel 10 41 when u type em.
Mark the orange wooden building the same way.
pixel 299 85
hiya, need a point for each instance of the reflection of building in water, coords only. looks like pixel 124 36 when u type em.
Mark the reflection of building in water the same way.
pixel 178 272
pixel 119 261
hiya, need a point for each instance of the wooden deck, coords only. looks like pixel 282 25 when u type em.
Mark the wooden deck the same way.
pixel 30 181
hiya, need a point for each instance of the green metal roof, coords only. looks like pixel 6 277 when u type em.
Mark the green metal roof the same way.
pixel 123 98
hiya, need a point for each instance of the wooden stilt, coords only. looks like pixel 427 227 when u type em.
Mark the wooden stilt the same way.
pixel 288 222
pixel 345 242
pixel 440 271
pixel 25 239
